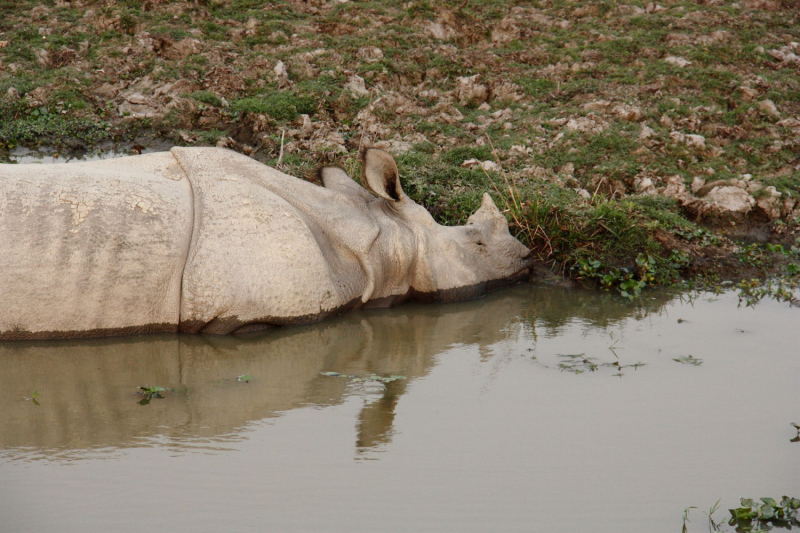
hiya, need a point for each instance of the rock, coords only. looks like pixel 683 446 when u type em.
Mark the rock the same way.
pixel 767 107
pixel 578 66
pixel 394 146
pixel 306 126
pixel 506 91
pixel 770 202
pixel 588 124
pixel 280 70
pixel 370 54
pixel 645 186
pixel 689 139
pixel 37 97
pixel 628 113
pixel 439 31
pixel 518 150
pixel 785 55
pixel 788 206
pixel 652 7
pixel 748 93
pixel 731 199
pixel 675 189
pixel 505 31
pixel 183 48
pixel 678 61
pixel 137 105
pixel 469 90
pixel 490 166
pixel 792 123
pixel 12 94
pixel 646 132
pixel 356 86
pixel 600 106
pixel 449 113
pixel 766 5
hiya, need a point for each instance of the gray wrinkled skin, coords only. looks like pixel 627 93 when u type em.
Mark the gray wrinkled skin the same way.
pixel 208 240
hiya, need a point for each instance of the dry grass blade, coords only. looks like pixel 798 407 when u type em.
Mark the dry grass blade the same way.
pixel 514 206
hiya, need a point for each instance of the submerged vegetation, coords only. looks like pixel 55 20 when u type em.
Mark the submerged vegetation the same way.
pixel 765 514
pixel 148 392
pixel 631 144
pixel 754 516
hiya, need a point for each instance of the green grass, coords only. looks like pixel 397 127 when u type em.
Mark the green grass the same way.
pixel 279 105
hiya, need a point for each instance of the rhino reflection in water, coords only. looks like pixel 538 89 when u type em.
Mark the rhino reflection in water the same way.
pixel 86 385
pixel 207 240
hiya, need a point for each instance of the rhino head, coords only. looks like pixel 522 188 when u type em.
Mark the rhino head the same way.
pixel 432 262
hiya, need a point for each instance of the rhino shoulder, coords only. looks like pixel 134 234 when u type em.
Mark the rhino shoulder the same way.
pixel 267 248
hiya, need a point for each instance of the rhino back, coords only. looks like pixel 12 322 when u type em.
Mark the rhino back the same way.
pixel 95 248
pixel 257 258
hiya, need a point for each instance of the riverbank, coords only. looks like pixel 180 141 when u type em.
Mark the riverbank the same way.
pixel 631 144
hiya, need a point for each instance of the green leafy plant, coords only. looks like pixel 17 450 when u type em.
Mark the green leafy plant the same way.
pixel 149 392
pixel 689 360
pixel 33 397
pixel 752 515
pixel 578 363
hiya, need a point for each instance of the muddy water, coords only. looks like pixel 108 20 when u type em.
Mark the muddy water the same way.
pixel 487 433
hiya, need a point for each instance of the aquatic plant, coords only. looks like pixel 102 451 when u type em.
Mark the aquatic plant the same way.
pixel 689 360
pixel 149 392
pixel 754 515
pixel 371 377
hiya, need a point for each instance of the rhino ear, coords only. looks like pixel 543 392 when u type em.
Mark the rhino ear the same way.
pixel 381 173
pixel 336 179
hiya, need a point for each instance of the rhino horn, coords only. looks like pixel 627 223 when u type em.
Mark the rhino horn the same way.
pixel 488 212
pixel 381 173
pixel 488 204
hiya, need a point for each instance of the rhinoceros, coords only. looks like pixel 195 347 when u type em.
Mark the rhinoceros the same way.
pixel 209 240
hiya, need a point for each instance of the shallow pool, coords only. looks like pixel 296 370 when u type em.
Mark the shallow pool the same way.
pixel 534 409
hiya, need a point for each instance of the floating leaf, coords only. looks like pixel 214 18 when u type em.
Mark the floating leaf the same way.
pixel 689 360
pixel 767 512
pixel 244 377
pixel 370 377
pixel 150 392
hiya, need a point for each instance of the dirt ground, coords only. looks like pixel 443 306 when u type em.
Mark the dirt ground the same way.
pixel 629 141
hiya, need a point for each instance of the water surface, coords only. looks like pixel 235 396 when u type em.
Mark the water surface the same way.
pixel 487 433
